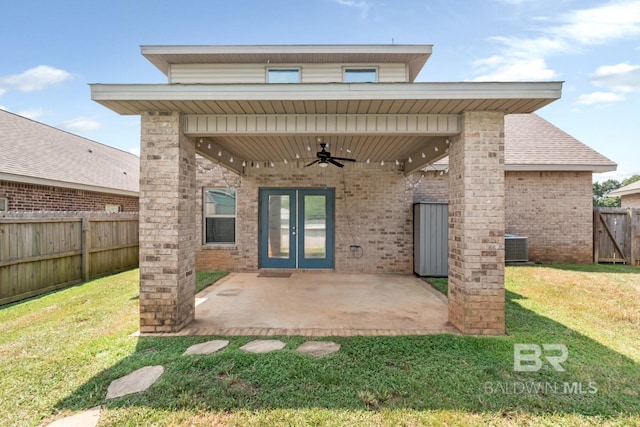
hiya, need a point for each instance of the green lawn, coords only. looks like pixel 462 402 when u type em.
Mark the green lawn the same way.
pixel 59 352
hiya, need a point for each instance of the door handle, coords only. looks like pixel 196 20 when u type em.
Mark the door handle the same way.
pixel 293 230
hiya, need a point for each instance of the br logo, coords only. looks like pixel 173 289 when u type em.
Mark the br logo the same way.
pixel 529 357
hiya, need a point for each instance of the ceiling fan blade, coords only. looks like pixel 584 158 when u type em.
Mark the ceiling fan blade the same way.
pixel 312 163
pixel 344 159
pixel 333 162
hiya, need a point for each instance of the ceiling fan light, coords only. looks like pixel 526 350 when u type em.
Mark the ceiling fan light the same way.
pixel 323 164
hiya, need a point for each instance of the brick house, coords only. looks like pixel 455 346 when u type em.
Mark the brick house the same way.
pixel 262 112
pixel 548 184
pixel 629 195
pixel 46 169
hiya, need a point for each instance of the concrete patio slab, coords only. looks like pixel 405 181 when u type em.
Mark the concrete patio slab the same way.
pixel 318 348
pixel 137 381
pixel 208 347
pixel 320 304
pixel 263 346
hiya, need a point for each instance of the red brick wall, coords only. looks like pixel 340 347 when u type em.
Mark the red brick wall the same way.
pixel 553 209
pixel 30 197
pixel 376 215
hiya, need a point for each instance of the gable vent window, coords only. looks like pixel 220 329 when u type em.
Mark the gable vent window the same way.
pixel 360 75
pixel 4 204
pixel 220 215
pixel 283 75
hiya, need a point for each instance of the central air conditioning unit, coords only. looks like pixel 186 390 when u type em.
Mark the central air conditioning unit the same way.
pixel 515 248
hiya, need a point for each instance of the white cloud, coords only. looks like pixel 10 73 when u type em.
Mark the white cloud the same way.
pixel 500 68
pixel 32 114
pixel 599 25
pixel 600 98
pixel 135 151
pixel 621 77
pixel 34 79
pixel 2 91
pixel 81 124
pixel 571 33
pixel 360 4
pixel 2 107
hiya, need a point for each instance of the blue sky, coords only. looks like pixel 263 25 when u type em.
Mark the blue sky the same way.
pixel 52 50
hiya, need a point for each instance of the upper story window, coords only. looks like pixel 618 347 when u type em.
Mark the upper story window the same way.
pixel 283 75
pixel 360 75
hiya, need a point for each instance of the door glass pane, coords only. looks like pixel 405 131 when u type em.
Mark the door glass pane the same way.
pixel 315 227
pixel 279 226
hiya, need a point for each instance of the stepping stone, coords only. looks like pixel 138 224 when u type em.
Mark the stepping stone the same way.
pixel 263 346
pixel 88 418
pixel 137 381
pixel 319 348
pixel 206 347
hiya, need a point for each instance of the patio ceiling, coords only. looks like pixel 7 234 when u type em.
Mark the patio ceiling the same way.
pixel 274 150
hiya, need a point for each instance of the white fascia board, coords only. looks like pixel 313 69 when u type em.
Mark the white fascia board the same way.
pixel 620 192
pixel 64 184
pixel 329 91
pixel 542 168
pixel 284 49
pixel 559 168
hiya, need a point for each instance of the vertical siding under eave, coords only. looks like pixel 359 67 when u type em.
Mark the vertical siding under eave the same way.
pixel 256 73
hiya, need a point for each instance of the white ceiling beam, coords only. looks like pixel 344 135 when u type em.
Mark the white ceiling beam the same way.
pixel 322 124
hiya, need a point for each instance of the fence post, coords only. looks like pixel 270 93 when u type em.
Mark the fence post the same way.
pixel 86 243
pixel 632 238
pixel 596 239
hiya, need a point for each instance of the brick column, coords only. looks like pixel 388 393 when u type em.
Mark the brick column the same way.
pixel 476 225
pixel 167 224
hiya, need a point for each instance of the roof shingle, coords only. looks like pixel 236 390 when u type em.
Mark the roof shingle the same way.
pixel 532 143
pixel 35 150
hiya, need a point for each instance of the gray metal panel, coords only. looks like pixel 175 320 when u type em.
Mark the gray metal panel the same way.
pixel 430 239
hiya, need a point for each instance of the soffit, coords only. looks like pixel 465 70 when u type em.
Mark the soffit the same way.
pixel 340 98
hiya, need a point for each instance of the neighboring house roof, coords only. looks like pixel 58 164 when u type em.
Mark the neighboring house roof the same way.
pixel 533 144
pixel 36 153
pixel 627 190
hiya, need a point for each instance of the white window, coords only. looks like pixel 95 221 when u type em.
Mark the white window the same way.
pixel 360 75
pixel 219 215
pixel 283 75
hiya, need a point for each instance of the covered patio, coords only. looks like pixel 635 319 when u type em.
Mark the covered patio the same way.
pixel 319 304
pixel 264 133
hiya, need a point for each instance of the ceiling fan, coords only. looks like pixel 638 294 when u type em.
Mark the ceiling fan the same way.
pixel 324 158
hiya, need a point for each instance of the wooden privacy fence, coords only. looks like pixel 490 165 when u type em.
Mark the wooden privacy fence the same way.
pixel 616 235
pixel 39 254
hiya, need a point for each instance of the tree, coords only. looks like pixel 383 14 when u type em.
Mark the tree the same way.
pixel 601 189
pixel 630 180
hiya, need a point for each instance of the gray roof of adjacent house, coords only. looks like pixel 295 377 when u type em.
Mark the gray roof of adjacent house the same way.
pixel 633 188
pixel 533 144
pixel 36 153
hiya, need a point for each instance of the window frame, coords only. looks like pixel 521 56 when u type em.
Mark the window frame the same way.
pixel 205 216
pixel 283 69
pixel 347 69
